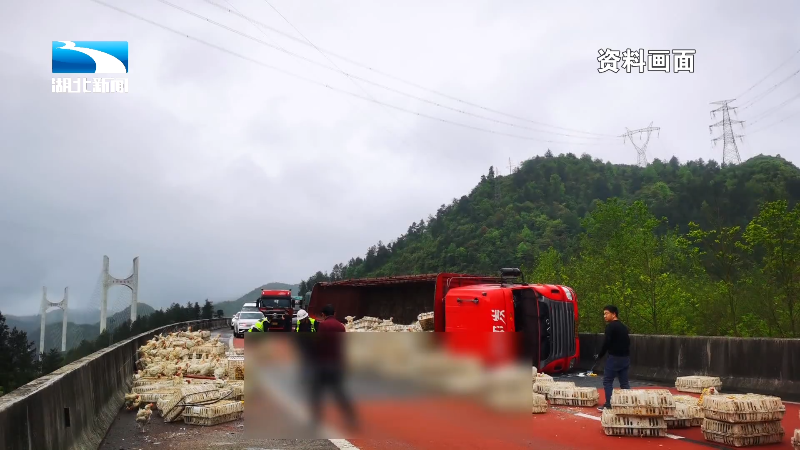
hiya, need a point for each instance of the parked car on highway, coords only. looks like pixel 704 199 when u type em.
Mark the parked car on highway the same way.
pixel 245 321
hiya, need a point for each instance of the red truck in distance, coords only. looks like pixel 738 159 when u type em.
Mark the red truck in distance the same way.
pixel 277 306
pixel 544 316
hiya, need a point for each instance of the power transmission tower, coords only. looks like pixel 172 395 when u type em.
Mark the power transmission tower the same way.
pixel 642 151
pixel 730 153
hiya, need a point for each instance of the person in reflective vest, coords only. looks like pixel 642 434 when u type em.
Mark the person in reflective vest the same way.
pixel 258 327
pixel 305 324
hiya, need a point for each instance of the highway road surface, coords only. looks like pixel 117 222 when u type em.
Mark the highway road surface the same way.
pixel 561 428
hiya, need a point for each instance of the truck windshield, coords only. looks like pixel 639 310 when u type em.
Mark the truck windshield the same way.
pixel 282 302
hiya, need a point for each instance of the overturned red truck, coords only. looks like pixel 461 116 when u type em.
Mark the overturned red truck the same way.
pixel 545 316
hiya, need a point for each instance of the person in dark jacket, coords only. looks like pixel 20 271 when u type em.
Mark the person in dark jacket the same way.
pixel 617 343
pixel 329 370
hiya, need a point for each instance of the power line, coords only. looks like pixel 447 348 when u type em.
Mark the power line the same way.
pixel 309 80
pixel 775 123
pixel 766 113
pixel 768 91
pixel 352 76
pixel 767 76
pixel 400 79
pixel 329 60
pixel 730 153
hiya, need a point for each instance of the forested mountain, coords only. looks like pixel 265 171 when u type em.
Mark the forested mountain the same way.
pixel 694 248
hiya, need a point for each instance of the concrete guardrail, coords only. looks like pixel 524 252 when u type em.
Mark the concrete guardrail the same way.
pixel 73 407
pixel 762 366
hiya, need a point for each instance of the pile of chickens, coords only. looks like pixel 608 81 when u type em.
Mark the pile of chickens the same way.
pixel 424 323
pixel 182 353
pixel 170 364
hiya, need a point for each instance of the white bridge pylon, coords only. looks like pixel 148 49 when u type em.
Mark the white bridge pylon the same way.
pixel 132 283
pixel 46 305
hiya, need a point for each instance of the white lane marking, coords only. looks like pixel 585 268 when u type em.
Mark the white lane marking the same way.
pixel 287 402
pixel 344 444
pixel 587 416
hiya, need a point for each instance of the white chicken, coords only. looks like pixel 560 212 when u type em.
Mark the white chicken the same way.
pixel 143 416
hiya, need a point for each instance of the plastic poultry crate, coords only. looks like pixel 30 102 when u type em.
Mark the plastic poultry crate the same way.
pixel 544 386
pixel 426 321
pixel 157 396
pixel 172 407
pixel 743 408
pixel 742 434
pixel 213 414
pixel 796 439
pixel 686 409
pixel 233 363
pixel 696 384
pixel 160 386
pixel 643 402
pixel 539 404
pixel 620 425
pixel 573 396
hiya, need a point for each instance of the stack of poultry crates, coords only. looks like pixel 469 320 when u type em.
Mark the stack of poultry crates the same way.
pixel 743 420
pixel 638 413
pixel 687 413
pixel 796 439
pixel 172 407
pixel 539 404
pixel 696 384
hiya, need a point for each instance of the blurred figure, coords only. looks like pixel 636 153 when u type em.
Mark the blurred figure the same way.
pixel 328 367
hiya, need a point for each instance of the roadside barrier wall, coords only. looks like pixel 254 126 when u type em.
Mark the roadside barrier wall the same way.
pixel 73 407
pixel 762 366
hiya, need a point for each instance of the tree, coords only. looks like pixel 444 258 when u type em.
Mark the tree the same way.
pixel 51 361
pixel 220 314
pixel 722 256
pixel 24 365
pixel 196 312
pixel 208 310
pixel 776 232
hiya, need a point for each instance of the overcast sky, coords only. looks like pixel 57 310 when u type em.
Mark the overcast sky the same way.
pixel 222 174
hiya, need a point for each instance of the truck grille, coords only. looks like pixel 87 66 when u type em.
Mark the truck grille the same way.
pixel 562 330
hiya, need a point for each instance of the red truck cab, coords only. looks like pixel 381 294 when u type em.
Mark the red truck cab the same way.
pixel 544 316
pixel 277 306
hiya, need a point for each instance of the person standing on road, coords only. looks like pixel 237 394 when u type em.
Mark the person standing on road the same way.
pixel 617 343
pixel 305 324
pixel 328 366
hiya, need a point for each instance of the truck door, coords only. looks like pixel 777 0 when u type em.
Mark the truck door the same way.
pixel 467 311
pixel 527 323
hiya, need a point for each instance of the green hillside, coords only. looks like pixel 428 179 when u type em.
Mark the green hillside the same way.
pixel 622 234
pixel 231 307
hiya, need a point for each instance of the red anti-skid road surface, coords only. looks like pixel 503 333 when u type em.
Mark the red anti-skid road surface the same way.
pixel 437 424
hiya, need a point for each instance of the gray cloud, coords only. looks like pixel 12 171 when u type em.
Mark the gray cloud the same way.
pixel 222 175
